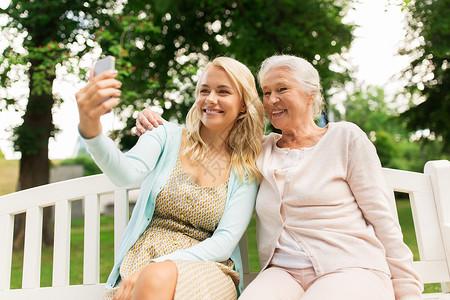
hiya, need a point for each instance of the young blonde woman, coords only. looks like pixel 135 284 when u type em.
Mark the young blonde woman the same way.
pixel 198 187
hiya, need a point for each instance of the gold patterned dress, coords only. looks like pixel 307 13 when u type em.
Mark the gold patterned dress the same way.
pixel 185 214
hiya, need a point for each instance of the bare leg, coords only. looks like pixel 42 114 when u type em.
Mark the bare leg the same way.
pixel 156 281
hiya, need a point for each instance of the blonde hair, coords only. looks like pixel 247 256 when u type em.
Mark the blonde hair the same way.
pixel 244 140
pixel 303 71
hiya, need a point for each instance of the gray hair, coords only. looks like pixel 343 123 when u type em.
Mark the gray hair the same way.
pixel 304 73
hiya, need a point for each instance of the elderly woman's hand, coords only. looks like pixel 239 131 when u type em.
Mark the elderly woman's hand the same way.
pixel 90 101
pixel 147 119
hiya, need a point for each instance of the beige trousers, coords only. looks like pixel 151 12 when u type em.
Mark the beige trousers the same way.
pixel 349 284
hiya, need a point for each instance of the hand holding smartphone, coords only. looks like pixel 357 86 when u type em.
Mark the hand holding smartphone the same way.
pixel 103 65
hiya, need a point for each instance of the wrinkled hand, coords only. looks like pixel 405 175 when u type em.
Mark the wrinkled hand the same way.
pixel 125 291
pixel 147 119
pixel 89 101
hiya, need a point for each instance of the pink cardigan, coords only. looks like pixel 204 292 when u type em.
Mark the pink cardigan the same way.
pixel 338 208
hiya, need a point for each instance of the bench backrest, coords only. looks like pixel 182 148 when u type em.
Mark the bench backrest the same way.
pixel 60 195
pixel 429 196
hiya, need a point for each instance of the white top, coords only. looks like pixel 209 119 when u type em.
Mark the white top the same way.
pixel 288 253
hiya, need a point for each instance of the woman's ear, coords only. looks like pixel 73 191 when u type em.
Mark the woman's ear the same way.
pixel 243 108
pixel 311 98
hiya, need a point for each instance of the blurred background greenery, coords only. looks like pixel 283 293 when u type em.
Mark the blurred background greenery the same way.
pixel 160 45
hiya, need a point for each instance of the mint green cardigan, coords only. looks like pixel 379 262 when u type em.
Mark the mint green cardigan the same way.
pixel 151 162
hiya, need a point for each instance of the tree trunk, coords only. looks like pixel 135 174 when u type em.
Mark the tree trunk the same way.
pixel 33 137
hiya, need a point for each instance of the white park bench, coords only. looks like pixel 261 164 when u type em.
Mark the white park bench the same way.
pixel 429 195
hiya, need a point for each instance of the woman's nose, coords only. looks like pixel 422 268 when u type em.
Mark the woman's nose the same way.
pixel 211 99
pixel 273 100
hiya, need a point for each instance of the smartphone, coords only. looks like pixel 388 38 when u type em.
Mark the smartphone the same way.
pixel 103 65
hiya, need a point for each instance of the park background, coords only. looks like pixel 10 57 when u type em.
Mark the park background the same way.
pixel 384 66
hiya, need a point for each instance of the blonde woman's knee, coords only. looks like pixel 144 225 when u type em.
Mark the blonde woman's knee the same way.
pixel 156 281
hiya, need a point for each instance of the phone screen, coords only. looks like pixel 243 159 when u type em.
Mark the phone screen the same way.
pixel 105 64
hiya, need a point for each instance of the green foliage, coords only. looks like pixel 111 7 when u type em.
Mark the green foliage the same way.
pixel 386 146
pixel 396 145
pixel 48 29
pixel 428 75
pixel 125 136
pixel 160 44
pixel 28 139
pixel 368 109
pixel 405 4
pixel 90 167
pixel 49 33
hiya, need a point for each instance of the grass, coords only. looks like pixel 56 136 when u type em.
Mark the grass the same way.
pixel 9 174
pixel 107 250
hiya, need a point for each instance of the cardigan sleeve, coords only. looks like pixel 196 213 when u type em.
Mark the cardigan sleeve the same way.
pixel 232 225
pixel 367 183
pixel 131 167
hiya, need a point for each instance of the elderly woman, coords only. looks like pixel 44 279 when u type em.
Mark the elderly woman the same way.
pixel 324 225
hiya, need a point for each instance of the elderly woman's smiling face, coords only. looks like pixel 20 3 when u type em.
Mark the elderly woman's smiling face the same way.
pixel 285 102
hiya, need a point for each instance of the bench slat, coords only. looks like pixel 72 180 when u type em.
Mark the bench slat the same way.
pixel 406 182
pixel 6 246
pixel 48 194
pixel 74 292
pixel 91 269
pixel 436 296
pixel 432 271
pixel 121 212
pixel 32 248
pixel 61 251
pixel 440 179
pixel 426 225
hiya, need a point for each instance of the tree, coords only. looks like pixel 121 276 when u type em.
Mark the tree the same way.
pixel 164 64
pixel 428 75
pixel 396 145
pixel 49 29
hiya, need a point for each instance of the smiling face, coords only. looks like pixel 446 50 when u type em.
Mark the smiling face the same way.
pixel 218 101
pixel 286 104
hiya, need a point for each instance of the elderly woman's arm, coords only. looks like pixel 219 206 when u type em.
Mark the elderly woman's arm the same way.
pixel 367 183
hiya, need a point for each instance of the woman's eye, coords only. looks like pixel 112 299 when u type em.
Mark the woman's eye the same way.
pixel 204 92
pixel 282 89
pixel 266 94
pixel 224 92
